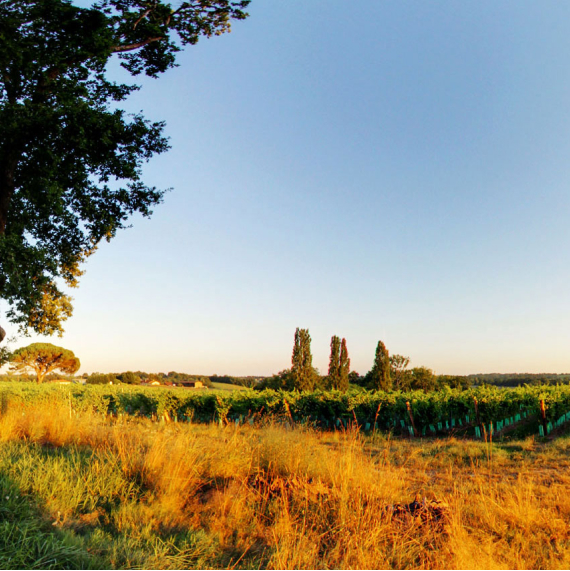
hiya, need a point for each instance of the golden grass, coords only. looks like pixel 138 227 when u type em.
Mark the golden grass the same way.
pixel 278 498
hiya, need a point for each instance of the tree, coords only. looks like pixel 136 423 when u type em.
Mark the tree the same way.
pixel 339 365
pixel 344 366
pixel 283 380
pixel 70 159
pixel 44 358
pixel 354 378
pixel 129 378
pixel 333 379
pixel 379 375
pixel 305 377
pixel 453 381
pixel 423 379
pixel 101 379
pixel 400 375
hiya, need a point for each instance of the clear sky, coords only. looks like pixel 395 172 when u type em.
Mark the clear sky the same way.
pixel 394 170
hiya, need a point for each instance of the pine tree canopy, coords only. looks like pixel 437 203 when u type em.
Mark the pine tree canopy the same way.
pixel 44 358
pixel 70 158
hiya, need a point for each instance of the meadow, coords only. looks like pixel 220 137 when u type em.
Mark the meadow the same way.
pixel 86 489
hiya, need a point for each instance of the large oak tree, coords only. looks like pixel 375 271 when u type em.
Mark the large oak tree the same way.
pixel 70 158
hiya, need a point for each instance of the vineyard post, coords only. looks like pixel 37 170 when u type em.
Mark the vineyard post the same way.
pixel 543 416
pixel 412 418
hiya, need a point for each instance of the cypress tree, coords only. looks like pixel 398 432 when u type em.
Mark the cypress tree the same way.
pixel 339 365
pixel 379 375
pixel 344 366
pixel 304 377
pixel 334 364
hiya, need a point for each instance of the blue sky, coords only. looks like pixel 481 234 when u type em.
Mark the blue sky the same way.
pixel 394 170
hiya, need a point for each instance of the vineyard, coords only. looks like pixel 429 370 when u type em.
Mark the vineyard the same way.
pixel 473 413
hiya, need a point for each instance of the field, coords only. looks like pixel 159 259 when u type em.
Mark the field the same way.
pixel 227 387
pixel 473 413
pixel 86 489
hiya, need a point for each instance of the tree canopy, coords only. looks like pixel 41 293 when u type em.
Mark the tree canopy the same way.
pixel 379 376
pixel 43 358
pixel 339 365
pixel 303 373
pixel 70 159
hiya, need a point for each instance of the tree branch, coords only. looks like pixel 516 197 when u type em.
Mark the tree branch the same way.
pixel 142 17
pixel 136 46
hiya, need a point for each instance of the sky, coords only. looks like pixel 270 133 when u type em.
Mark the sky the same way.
pixel 387 170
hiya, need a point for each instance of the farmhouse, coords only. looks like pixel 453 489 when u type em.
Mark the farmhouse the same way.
pixel 192 384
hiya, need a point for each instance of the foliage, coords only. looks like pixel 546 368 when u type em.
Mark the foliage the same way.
pixel 422 379
pixel 249 381
pixel 339 365
pixel 44 358
pixel 379 376
pixel 70 158
pixel 453 381
pixel 398 372
pixel 179 378
pixel 305 377
pixel 5 355
pixel 354 378
pixel 333 379
pixel 322 408
pixel 129 378
pixel 344 366
pixel 101 379
pixel 517 379
pixel 283 380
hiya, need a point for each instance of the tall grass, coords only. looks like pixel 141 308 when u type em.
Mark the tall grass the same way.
pixel 129 493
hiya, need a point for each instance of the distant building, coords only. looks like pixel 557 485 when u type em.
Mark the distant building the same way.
pixel 192 384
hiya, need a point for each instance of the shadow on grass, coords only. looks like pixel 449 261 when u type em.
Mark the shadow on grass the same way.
pixel 29 541
pixel 95 536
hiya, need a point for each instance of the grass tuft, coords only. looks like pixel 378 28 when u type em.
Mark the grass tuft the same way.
pixel 80 490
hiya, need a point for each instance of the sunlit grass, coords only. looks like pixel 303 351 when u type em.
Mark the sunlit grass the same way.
pixel 129 492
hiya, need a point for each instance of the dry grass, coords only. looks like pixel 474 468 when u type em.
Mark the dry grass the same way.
pixel 180 496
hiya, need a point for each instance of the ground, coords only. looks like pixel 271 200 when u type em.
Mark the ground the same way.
pixel 83 490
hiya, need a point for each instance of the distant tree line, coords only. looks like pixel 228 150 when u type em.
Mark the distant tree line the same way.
pixel 388 372
pixel 249 381
pixel 138 377
pixel 518 379
pixel 172 377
